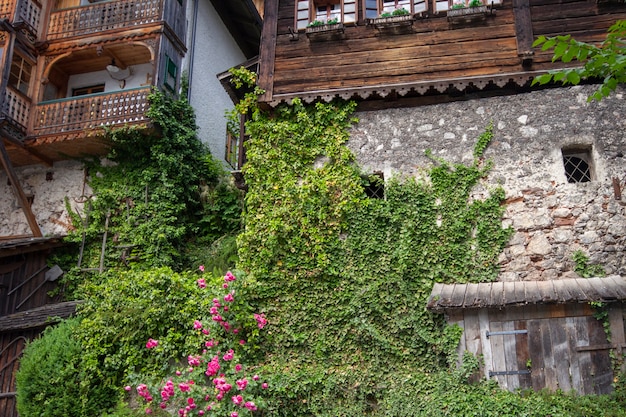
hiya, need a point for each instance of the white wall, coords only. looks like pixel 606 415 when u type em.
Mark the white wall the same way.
pixel 139 74
pixel 214 51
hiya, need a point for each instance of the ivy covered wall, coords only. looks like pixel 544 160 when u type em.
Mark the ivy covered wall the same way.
pixel 551 218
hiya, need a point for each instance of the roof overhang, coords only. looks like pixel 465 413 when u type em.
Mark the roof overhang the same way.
pixel 518 293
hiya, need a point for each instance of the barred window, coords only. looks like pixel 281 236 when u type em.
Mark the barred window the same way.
pixel 577 164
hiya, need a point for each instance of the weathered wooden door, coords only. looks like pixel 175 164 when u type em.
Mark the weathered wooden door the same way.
pixel 566 353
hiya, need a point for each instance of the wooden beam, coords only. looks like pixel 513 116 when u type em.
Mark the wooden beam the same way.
pixel 21 197
pixel 267 54
pixel 47 161
pixel 523 27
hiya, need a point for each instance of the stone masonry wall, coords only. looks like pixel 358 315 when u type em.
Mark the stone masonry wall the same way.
pixel 551 218
pixel 49 187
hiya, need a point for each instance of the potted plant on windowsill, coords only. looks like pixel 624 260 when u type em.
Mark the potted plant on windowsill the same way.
pixel 399 17
pixel 319 26
pixel 474 8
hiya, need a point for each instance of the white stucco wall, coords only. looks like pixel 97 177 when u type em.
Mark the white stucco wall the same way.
pixel 138 75
pixel 214 51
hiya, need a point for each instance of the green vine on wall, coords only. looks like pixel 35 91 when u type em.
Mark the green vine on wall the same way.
pixel 345 278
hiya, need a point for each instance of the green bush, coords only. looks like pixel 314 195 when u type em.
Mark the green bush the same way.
pixel 49 378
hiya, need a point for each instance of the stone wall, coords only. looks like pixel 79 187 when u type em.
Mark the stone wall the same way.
pixel 48 187
pixel 551 218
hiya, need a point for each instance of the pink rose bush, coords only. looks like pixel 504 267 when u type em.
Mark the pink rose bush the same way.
pixel 215 382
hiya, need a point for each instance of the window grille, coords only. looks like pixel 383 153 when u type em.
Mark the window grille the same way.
pixel 577 166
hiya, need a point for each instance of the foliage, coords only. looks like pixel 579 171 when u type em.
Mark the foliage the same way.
pixel 345 278
pixel 48 381
pixel 475 3
pixel 213 380
pixel 605 62
pixel 583 268
pixel 121 313
pixel 397 12
pixel 158 192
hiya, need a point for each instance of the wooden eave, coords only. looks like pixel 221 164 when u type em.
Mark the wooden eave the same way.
pixel 244 23
pixel 12 245
pixel 38 317
pixel 504 294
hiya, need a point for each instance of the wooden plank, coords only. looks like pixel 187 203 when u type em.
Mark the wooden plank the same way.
pixel 484 326
pixel 523 26
pixel 575 291
pixel 619 286
pixel 484 294
pixel 446 295
pixel 267 53
pixel 616 324
pixel 498 354
pixel 590 293
pixel 471 295
pixel 497 293
pixel 510 356
pixel 458 295
pixel 561 290
pixel 520 292
pixel 535 336
pixel 546 289
pixel 471 333
pixel 509 293
pixel 602 371
pixel 435 296
pixel 604 288
pixel 549 364
pixel 532 292
pixel 560 352
pixel 522 355
pixel 574 356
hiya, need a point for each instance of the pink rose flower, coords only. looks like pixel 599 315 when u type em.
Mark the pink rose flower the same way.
pixel 201 268
pixel 201 283
pixel 152 343
pixel 197 324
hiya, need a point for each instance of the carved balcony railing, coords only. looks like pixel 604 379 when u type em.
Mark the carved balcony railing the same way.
pixel 92 111
pixel 22 12
pixel 79 21
pixel 14 109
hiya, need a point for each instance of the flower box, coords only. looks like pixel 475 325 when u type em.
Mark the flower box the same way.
pixel 326 31
pixel 391 21
pixel 469 12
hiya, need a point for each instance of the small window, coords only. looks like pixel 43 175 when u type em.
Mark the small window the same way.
pixel 374 185
pixel 455 4
pixel 308 11
pixel 577 164
pixel 21 71
pixel 171 71
pixel 83 91
pixel 375 8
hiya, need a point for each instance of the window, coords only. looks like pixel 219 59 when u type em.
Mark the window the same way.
pixel 93 89
pixel 577 164
pixel 374 8
pixel 444 5
pixel 171 71
pixel 374 185
pixel 307 11
pixel 21 71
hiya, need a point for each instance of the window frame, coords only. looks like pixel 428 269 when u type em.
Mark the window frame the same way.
pixel 306 12
pixel 17 80
pixel 414 7
pixel 90 89
pixel 583 154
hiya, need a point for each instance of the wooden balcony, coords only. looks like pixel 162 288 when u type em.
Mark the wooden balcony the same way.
pixel 78 114
pixel 22 13
pixel 84 20
pixel 15 108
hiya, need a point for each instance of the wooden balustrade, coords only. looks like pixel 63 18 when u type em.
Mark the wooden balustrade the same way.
pixel 7 9
pixel 77 21
pixel 88 112
pixel 15 107
pixel 22 11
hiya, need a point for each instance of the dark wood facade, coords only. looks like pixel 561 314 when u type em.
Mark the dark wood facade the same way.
pixel 25 305
pixel 436 54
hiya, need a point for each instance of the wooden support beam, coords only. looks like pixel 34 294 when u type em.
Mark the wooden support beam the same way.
pixel 47 161
pixel 267 54
pixel 21 197
pixel 523 30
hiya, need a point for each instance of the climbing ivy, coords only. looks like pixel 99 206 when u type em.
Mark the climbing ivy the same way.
pixel 345 278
